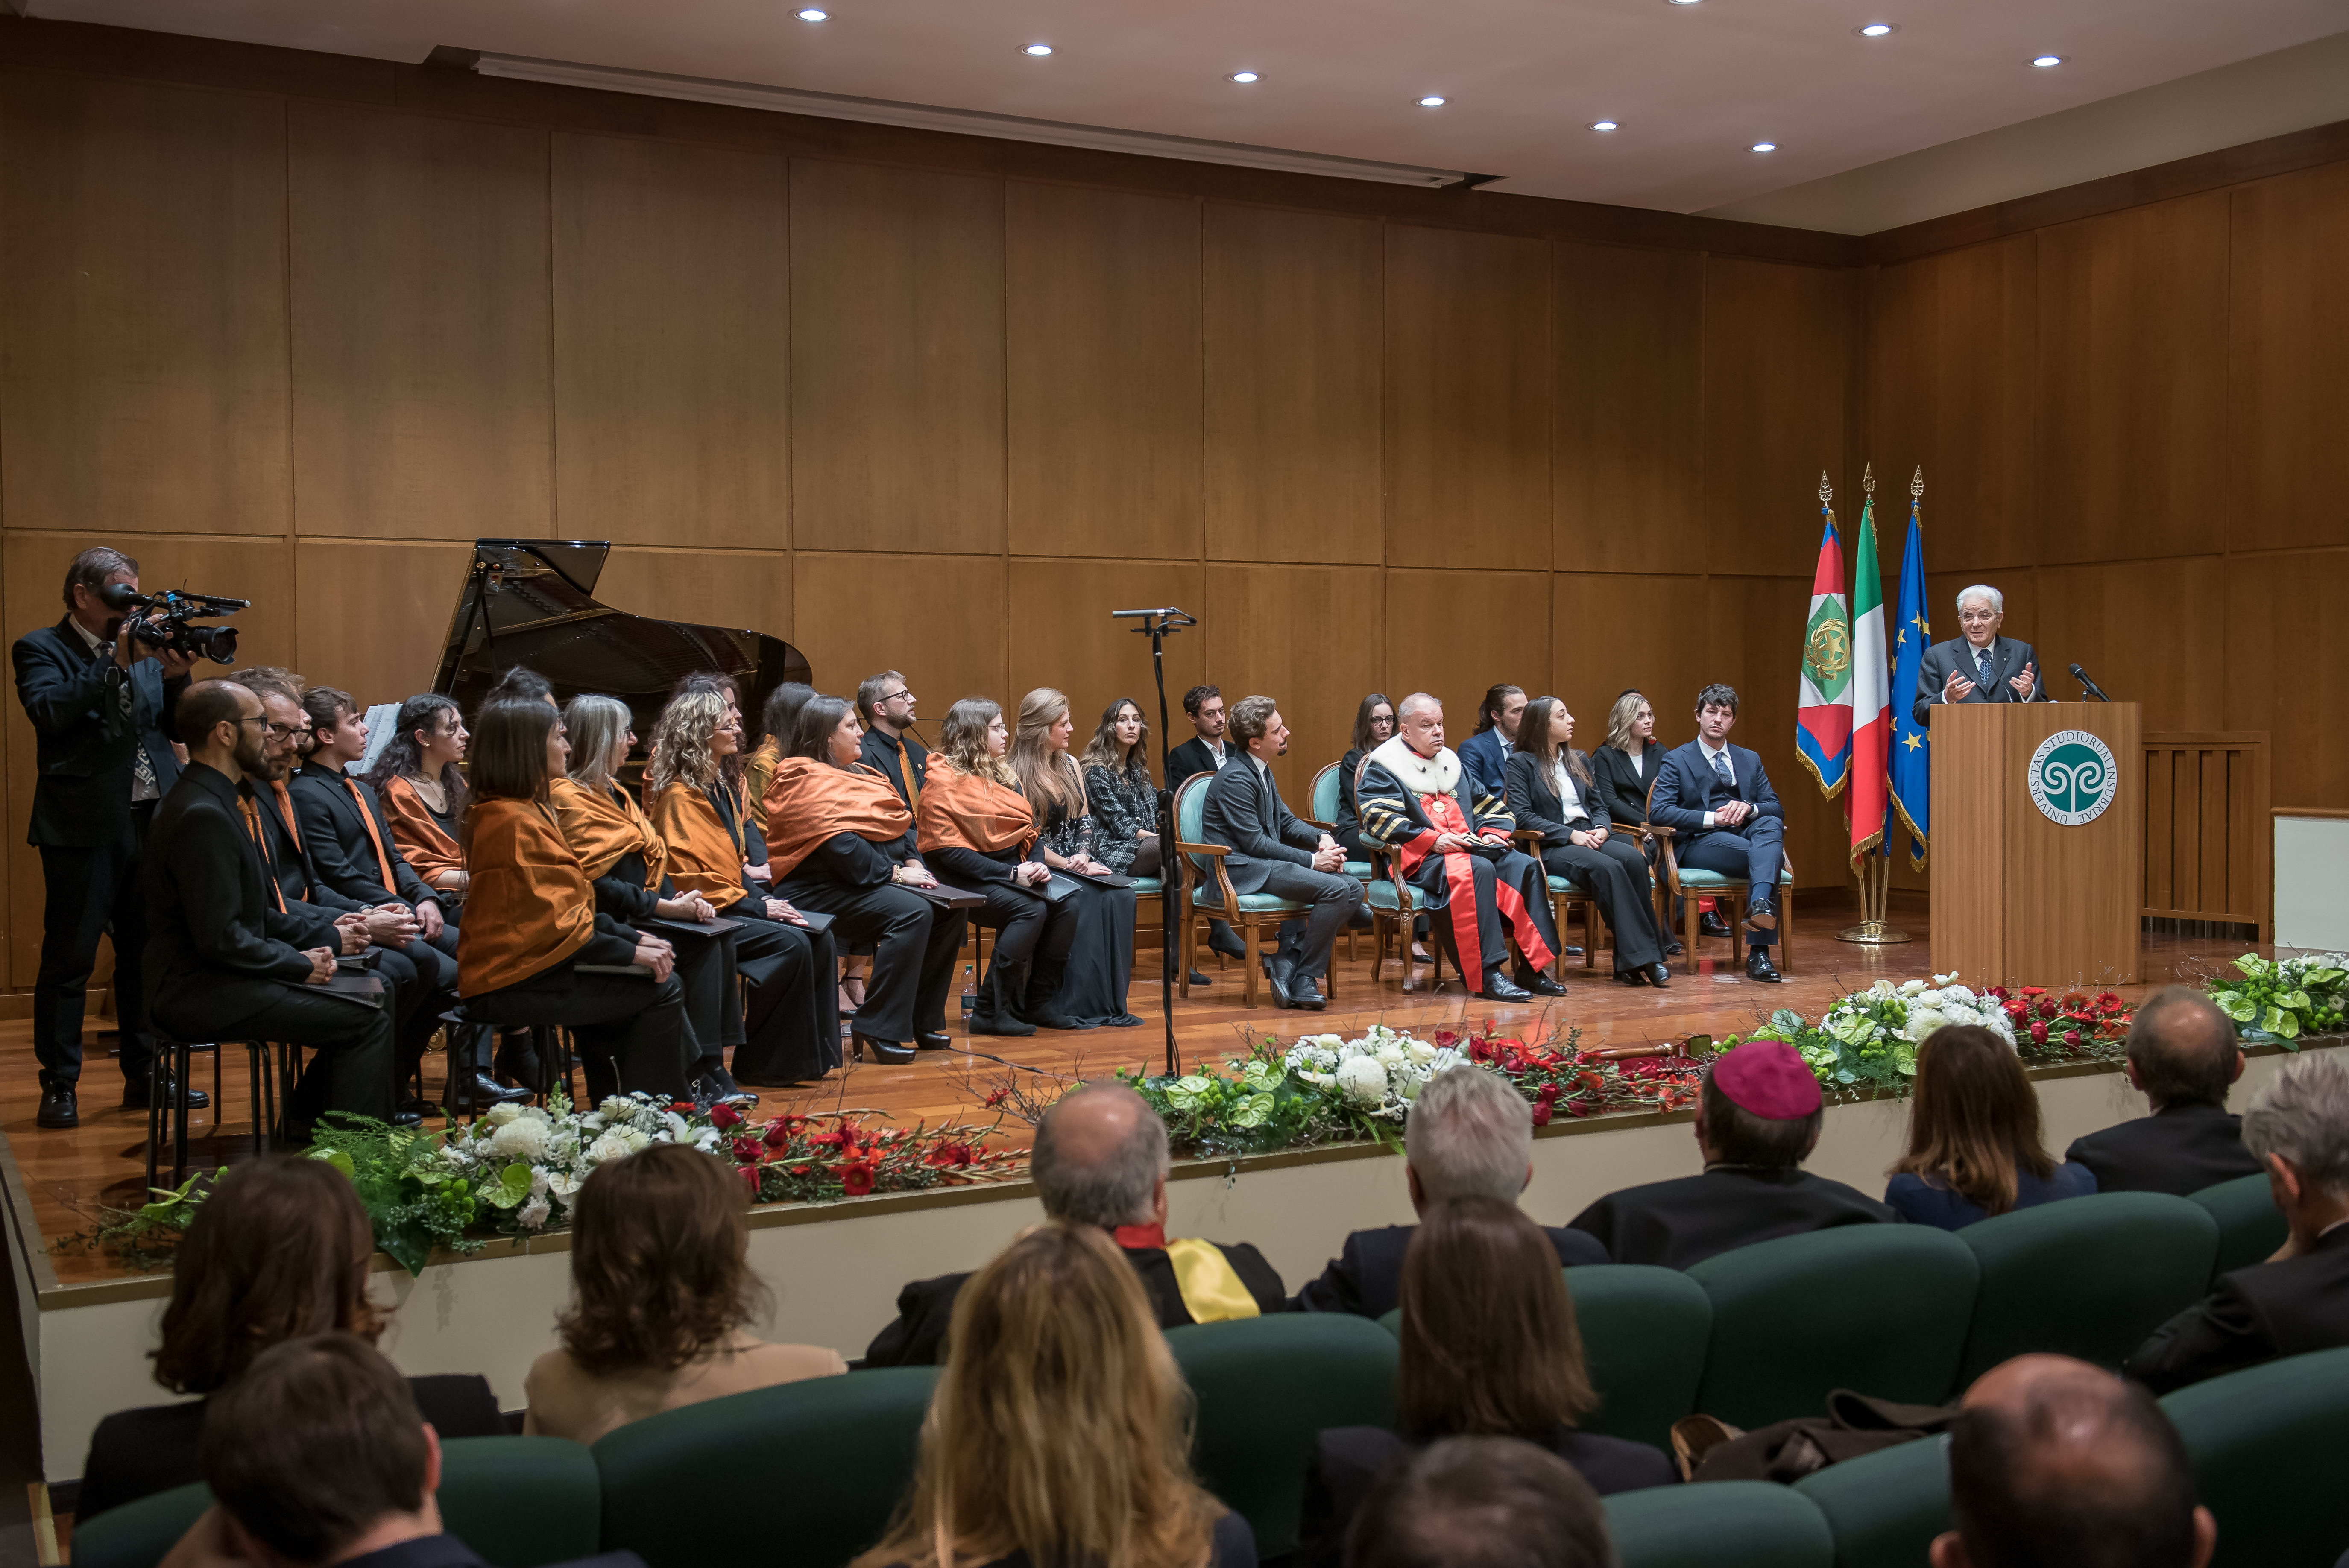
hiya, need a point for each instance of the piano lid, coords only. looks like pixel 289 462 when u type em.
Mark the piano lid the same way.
pixel 531 601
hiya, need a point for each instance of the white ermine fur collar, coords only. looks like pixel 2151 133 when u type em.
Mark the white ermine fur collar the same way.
pixel 1437 775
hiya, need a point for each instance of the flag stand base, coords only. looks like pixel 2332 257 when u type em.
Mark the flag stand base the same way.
pixel 1873 933
pixel 1874 887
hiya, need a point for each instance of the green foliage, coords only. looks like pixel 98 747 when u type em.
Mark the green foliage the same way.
pixel 1249 1106
pixel 415 1201
pixel 2279 1000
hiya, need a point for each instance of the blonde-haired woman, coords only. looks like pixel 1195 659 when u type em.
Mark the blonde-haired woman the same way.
pixel 1059 1431
pixel 1624 770
pixel 1089 986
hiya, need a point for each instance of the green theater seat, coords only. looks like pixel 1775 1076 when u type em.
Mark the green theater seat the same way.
pixel 2250 1227
pixel 1744 1523
pixel 2089 1276
pixel 1885 1507
pixel 2271 1447
pixel 138 1534
pixel 1879 1309
pixel 1265 1386
pixel 521 1502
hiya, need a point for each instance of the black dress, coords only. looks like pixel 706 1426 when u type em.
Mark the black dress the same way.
pixel 1101 954
pixel 1613 873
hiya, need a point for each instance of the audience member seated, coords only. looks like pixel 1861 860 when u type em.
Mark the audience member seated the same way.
pixel 1059 1431
pixel 534 950
pixel 1374 726
pixel 789 1029
pixel 1490 1349
pixel 1758 1117
pixel 1205 752
pixel 974 825
pixel 885 708
pixel 1274 852
pixel 1118 788
pixel 662 1286
pixel 2183 1058
pixel 421 779
pixel 1716 798
pixel 776 721
pixel 1100 1159
pixel 279 1250
pixel 1974 1144
pixel 1450 840
pixel 2054 1463
pixel 319 1455
pixel 1469 1135
pixel 2297 1301
pixel 1088 987
pixel 1622 770
pixel 840 842
pixel 1482 1502
pixel 216 971
pixel 1551 791
pixel 1485 755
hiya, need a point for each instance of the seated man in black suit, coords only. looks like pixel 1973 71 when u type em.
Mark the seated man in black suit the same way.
pixel 1470 1134
pixel 1982 666
pixel 1205 752
pixel 1757 1120
pixel 2183 1056
pixel 2298 1299
pixel 1725 817
pixel 217 972
pixel 1273 852
pixel 1101 1159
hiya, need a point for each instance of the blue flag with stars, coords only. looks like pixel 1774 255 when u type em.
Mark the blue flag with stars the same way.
pixel 1913 743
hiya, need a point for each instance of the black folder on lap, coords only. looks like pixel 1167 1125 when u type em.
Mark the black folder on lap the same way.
pixel 662 924
pixel 952 897
pixel 1100 879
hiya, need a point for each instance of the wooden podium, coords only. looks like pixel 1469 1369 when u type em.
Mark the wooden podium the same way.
pixel 2031 894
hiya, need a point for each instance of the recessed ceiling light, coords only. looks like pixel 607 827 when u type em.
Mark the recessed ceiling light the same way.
pixel 1602 125
pixel 1038 50
pixel 1681 1
pixel 1245 76
pixel 1765 147
pixel 2044 61
pixel 1877 29
pixel 1432 100
pixel 813 15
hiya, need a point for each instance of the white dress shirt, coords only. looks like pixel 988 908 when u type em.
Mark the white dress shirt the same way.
pixel 1728 763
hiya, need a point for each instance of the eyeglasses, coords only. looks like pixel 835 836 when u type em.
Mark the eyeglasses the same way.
pixel 273 731
pixel 901 691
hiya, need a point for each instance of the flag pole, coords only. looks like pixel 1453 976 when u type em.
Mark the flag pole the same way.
pixel 1873 864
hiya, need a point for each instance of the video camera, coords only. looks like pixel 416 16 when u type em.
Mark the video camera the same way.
pixel 166 624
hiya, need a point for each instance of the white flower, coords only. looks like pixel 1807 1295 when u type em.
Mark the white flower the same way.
pixel 674 1125
pixel 540 1179
pixel 1922 1022
pixel 532 1214
pixel 1421 1052
pixel 613 1145
pixel 1911 988
pixel 636 1139
pixel 1363 1080
pixel 521 1139
pixel 1392 1056
pixel 501 1114
pixel 561 1183
pixel 617 1108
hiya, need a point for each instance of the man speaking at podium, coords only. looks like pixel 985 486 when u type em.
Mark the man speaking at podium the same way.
pixel 1982 666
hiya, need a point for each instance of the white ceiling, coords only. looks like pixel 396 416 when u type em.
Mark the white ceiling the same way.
pixel 1692 86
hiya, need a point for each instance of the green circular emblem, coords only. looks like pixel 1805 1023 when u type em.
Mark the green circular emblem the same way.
pixel 2071 777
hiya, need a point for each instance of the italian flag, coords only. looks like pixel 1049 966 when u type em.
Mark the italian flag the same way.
pixel 1823 702
pixel 1871 711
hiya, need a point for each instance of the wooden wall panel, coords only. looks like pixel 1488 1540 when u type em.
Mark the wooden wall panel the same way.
pixel 2288 320
pixel 742 588
pixel 1427 650
pixel 1252 622
pixel 1754 642
pixel 374 613
pixel 939 619
pixel 2284 622
pixel 1467 400
pixel 2153 632
pixel 1292 364
pixel 422 363
pixel 1629 457
pixel 1060 636
pixel 142 328
pixel 1618 631
pixel 1777 343
pixel 897 360
pixel 671 372
pixel 2132 382
pixel 1105 404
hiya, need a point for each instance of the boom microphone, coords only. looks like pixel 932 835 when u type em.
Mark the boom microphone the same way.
pixel 2087 686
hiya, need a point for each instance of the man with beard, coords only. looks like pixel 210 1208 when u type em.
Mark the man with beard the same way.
pixel 217 972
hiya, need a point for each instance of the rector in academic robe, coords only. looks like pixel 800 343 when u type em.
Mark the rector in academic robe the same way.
pixel 1982 666
pixel 1717 800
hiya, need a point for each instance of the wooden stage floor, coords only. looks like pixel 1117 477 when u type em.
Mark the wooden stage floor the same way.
pixel 69 1174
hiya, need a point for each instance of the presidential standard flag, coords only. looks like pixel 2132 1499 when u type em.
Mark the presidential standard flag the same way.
pixel 1913 743
pixel 1872 713
pixel 1823 701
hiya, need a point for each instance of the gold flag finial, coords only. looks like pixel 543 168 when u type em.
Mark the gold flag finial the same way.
pixel 1826 490
pixel 1867 479
pixel 1917 485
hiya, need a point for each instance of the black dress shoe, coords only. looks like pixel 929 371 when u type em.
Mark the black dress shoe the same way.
pixel 1658 975
pixel 889 1051
pixel 1303 993
pixel 1498 987
pixel 1673 949
pixel 1541 984
pixel 1278 968
pixel 1223 939
pixel 723 1089
pixel 1761 915
pixel 1630 977
pixel 1711 924
pixel 935 1040
pixel 1570 950
pixel 487 1091
pixel 58 1107
pixel 134 1094
pixel 1199 979
pixel 1758 966
pixel 403 1117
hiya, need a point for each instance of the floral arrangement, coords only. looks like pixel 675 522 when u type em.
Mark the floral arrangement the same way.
pixel 1868 1040
pixel 2074 1024
pixel 800 1159
pixel 1378 1075
pixel 2276 1001
pixel 526 1161
pixel 1558 1076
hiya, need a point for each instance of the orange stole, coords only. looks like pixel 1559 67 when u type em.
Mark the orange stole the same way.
pixel 703 856
pixel 758 771
pixel 421 840
pixel 602 825
pixel 964 811
pixel 530 907
pixel 808 801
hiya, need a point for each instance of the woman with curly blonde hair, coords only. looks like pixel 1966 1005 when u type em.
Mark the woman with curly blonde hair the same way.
pixel 1090 987
pixel 1059 1431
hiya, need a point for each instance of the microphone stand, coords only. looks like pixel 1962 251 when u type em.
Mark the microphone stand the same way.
pixel 1158 626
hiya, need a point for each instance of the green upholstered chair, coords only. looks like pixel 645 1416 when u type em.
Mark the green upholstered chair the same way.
pixel 521 1502
pixel 1750 1523
pixel 1728 894
pixel 1885 1507
pixel 1879 1309
pixel 1265 1388
pixel 138 1534
pixel 1326 801
pixel 1209 894
pixel 2250 1227
pixel 1396 907
pixel 2269 1455
pixel 833 1455
pixel 1566 895
pixel 2089 1276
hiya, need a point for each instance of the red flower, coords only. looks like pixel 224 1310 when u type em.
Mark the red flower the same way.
pixel 1549 1091
pixel 1481 1051
pixel 801 1170
pixel 856 1179
pixel 945 1155
pixel 1576 1107
pixel 748 1150
pixel 779 1133
pixel 829 1140
pixel 723 1116
pixel 1446 1039
pixel 750 1174
pixel 1590 1082
pixel 2046 1008
pixel 1541 1114
pixel 2039 1034
pixel 997 1097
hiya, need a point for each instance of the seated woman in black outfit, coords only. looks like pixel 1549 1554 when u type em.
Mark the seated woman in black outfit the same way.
pixel 1374 726
pixel 975 826
pixel 1551 791
pixel 1490 1348
pixel 1624 770
pixel 1088 988
pixel 1117 785
pixel 279 1251
pixel 840 841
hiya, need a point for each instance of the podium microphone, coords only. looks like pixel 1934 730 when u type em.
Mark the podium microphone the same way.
pixel 2087 686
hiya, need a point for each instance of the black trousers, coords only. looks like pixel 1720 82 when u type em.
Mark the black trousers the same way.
pixel 1753 850
pixel 914 945
pixel 1306 940
pixel 92 891
pixel 630 1028
pixel 1027 925
pixel 352 1035
pixel 791 1027
pixel 1616 875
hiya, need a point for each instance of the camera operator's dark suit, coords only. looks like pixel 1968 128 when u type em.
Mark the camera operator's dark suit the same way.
pixel 92 720
pixel 216 972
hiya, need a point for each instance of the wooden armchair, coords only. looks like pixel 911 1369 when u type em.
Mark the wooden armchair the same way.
pixel 1208 893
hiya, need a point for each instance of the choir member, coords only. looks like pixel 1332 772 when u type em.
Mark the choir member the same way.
pixel 421 779
pixel 1124 801
pixel 885 708
pixel 1090 985
pixel 775 721
pixel 1622 770
pixel 1551 791
pixel 733 768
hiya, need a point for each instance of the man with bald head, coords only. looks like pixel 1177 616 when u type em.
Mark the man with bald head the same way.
pixel 2183 1056
pixel 1101 1159
pixel 2058 1464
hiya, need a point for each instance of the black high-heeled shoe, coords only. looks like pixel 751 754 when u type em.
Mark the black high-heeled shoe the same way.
pixel 885 1051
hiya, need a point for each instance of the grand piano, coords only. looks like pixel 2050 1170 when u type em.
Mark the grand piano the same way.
pixel 532 602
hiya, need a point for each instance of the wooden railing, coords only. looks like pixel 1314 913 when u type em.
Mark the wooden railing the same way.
pixel 2208 846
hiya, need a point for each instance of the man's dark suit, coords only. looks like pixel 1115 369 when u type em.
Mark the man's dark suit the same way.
pixel 1192 758
pixel 2007 659
pixel 1687 787
pixel 217 971
pixel 335 835
pixel 1688 1219
pixel 1272 852
pixel 89 835
pixel 1485 758
pixel 2179 1152
pixel 2253 1314
pixel 892 759
pixel 1366 1278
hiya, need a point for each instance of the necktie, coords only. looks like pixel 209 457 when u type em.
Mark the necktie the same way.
pixel 382 860
pixel 913 778
pixel 1721 772
pixel 1981 662
pixel 253 827
pixel 143 786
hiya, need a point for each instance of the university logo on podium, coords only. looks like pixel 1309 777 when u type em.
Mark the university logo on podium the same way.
pixel 2071 777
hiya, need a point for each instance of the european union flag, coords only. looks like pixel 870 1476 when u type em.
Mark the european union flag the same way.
pixel 1913 743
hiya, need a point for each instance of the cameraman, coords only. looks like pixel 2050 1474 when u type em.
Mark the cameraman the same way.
pixel 101 703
